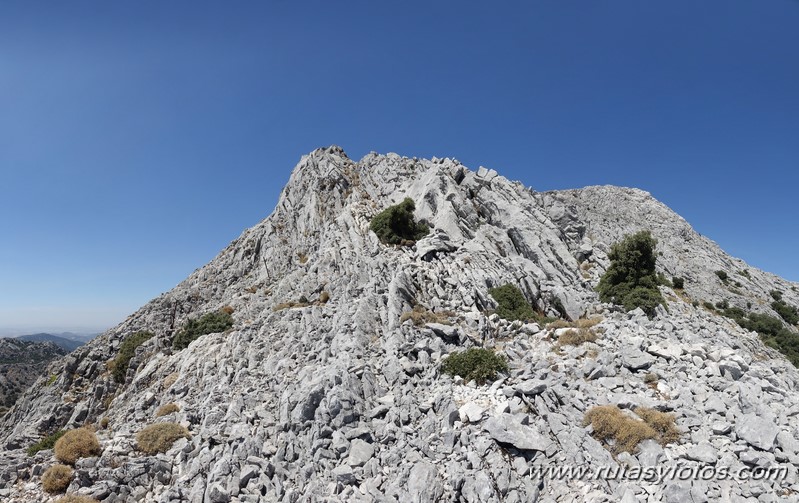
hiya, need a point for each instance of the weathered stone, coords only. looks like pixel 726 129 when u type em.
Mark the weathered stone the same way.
pixel 509 430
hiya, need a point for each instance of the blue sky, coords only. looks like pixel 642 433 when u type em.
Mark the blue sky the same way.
pixel 137 139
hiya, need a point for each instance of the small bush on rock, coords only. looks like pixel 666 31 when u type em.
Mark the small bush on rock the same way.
pixel 76 444
pixel 678 283
pixel 631 280
pixel 167 409
pixel 209 323
pixel 56 479
pixel 47 442
pixel 722 276
pixel 610 424
pixel 421 316
pixel 511 303
pixel 119 366
pixel 159 437
pixel 477 364
pixel 396 225
pixel 575 337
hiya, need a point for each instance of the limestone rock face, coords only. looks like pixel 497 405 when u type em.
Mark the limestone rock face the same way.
pixel 323 391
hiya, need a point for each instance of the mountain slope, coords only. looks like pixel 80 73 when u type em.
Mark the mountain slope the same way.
pixel 342 399
pixel 68 345
pixel 21 364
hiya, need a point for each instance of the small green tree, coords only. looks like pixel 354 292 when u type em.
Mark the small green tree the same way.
pixel 396 224
pixel 209 323
pixel 631 280
pixel 475 363
pixel 678 283
pixel 511 303
pixel 119 367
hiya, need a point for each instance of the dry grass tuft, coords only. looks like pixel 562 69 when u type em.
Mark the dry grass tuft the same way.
pixel 76 444
pixel 159 437
pixel 167 409
pixel 228 310
pixel 75 498
pixel 575 337
pixel 170 379
pixel 324 297
pixel 56 479
pixel 420 316
pixel 610 423
pixel 661 422
pixel 303 258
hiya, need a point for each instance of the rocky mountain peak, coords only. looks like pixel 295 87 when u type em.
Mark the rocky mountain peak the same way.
pixel 329 383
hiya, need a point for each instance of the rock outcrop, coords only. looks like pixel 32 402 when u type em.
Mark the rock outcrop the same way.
pixel 322 390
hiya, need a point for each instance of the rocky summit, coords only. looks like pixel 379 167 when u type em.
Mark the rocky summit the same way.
pixel 321 379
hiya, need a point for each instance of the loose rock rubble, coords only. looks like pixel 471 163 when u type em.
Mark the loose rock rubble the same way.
pixel 340 400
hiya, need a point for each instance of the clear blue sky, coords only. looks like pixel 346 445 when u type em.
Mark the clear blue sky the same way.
pixel 137 139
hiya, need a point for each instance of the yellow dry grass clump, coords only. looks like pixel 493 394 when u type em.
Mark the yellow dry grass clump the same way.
pixel 159 437
pixel 419 315
pixel 75 498
pixel 575 337
pixel 167 409
pixel 611 424
pixel 56 479
pixel 76 444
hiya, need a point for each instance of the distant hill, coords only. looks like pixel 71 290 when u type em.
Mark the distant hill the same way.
pixel 21 363
pixel 68 344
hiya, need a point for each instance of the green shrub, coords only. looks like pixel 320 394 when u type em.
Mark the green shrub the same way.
pixel 631 280
pixel 396 225
pixel 678 283
pixel 511 303
pixel 787 312
pixel 776 295
pixel 47 442
pixel 209 323
pixel 771 330
pixel 475 363
pixel 722 275
pixel 119 367
pixel 159 437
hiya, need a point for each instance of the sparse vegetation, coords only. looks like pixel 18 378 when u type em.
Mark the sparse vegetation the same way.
pixel 771 330
pixel 623 433
pixel 324 297
pixel 302 302
pixel 631 280
pixel 76 444
pixel 119 365
pixel 52 379
pixel 56 479
pixel 209 323
pixel 167 409
pixel 104 422
pixel 75 498
pixel 170 379
pixel 722 276
pixel 581 331
pixel 511 304
pixel 575 337
pixel 477 364
pixel 678 283
pixel 786 311
pixel 159 437
pixel 47 442
pixel 651 378
pixel 396 225
pixel 420 316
